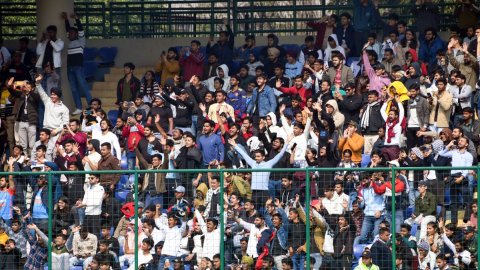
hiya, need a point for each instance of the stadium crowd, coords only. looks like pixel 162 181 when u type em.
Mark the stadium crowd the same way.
pixel 349 98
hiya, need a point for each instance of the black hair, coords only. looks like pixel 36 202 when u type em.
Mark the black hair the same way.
pixel 196 42
pixel 52 28
pixel 106 144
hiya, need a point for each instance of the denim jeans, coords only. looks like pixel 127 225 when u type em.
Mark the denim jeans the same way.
pixel 318 260
pixel 131 160
pixel 78 85
pixel 370 223
pixel 194 124
pixel 298 261
pixel 412 194
pixel 398 218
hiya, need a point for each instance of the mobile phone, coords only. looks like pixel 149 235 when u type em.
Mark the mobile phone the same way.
pixel 429 95
pixel 294 146
pixel 455 142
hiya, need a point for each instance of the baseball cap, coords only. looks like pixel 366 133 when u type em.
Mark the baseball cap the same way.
pixel 180 189
pixel 394 163
pixel 178 260
pixel 366 254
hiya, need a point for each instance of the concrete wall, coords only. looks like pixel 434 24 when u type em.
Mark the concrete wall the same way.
pixel 145 52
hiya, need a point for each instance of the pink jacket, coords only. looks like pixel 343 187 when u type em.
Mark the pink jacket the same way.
pixel 376 82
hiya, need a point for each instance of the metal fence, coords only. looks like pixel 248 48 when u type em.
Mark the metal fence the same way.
pixel 309 182
pixel 196 18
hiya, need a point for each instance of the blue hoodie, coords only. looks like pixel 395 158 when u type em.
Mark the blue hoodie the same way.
pixel 372 202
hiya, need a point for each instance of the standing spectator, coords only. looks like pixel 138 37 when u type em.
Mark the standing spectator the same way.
pixel 75 72
pixel 346 34
pixel 38 248
pixel 297 89
pixel 133 131
pixel 129 86
pixel 460 158
pixel 171 246
pixel 440 104
pixel 168 65
pixel 381 253
pixel 430 45
pixel 105 136
pixel 426 15
pixel 56 113
pixel 418 116
pixel 25 110
pixel 364 20
pixel 220 107
pixel 49 50
pixel 154 183
pixel 371 121
pixel 324 27
pixel 462 96
pixel 5 57
pixel 296 239
pixel 339 73
pixel 468 67
pixel 92 202
pixel 72 132
pixel 193 61
pixel 467 15
pixel 393 129
pixel 210 144
pixel 164 112
pixel 378 80
pixel 374 207
pixel 352 141
pixel 350 103
pixel 108 162
pixel 28 56
pixel 223 49
pixel 263 100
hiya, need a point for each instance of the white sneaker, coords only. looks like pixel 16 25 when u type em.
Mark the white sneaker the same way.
pixel 77 112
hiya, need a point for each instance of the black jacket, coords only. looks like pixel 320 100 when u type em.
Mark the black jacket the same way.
pixel 381 255
pixel 33 100
pixel 350 107
pixel 376 120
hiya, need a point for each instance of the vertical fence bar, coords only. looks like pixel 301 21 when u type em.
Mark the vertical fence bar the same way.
pixel 136 219
pixel 234 17
pixel 295 10
pixel 392 226
pixel 307 216
pixel 478 220
pixel 212 18
pixel 50 214
pixel 222 221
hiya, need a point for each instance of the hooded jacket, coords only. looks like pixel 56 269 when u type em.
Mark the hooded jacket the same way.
pixel 329 49
pixel 202 188
pixel 226 79
pixel 275 131
pixel 400 90
pixel 134 134
pixel 338 117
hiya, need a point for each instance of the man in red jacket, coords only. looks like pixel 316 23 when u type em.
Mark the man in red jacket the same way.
pixel 192 60
pixel 133 131
pixel 296 89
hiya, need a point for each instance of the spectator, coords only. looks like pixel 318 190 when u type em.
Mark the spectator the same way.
pixel 25 111
pixel 325 26
pixel 168 65
pixel 429 46
pixel 49 49
pixel 339 73
pixel 418 118
pixel 374 206
pixel 263 100
pixel 92 201
pixel 380 251
pixel 56 113
pixel 129 86
pixel 38 247
pixel 370 122
pixel 440 107
pixel 75 71
pixel 468 66
pixel 346 34
pixel 223 49
pixel 352 141
pixel 84 246
pixel 333 48
pixel 376 75
pixel 297 90
pixel 293 67
pixel 108 162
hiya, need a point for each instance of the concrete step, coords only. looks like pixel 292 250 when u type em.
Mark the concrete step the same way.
pixel 109 87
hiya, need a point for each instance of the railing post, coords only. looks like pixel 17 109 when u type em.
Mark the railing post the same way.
pixel 136 219
pixel 392 226
pixel 50 214
pixel 234 15
pixel 212 18
pixel 307 216
pixel 295 16
pixel 478 207
pixel 222 220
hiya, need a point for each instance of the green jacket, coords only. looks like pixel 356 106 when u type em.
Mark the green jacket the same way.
pixel 362 266
pixel 426 206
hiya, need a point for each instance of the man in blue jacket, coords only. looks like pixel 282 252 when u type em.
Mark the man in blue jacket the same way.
pixel 262 102
pixel 429 46
pixel 278 221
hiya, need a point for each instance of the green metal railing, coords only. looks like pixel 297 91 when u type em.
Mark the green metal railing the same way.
pixel 221 172
pixel 196 18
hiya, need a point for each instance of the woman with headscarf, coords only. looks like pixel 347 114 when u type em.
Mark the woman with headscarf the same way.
pixel 332 46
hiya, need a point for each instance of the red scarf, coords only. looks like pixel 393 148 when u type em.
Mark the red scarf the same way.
pixel 390 126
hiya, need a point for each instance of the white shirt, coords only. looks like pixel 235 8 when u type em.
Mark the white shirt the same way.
pixel 94 158
pixel 173 238
pixel 56 114
pixel 253 237
pixel 57 50
pixel 109 138
pixel 142 258
pixel 93 199
pixel 333 205
pixel 211 243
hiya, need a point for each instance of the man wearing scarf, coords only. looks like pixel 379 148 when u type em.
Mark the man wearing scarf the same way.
pixel 393 130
